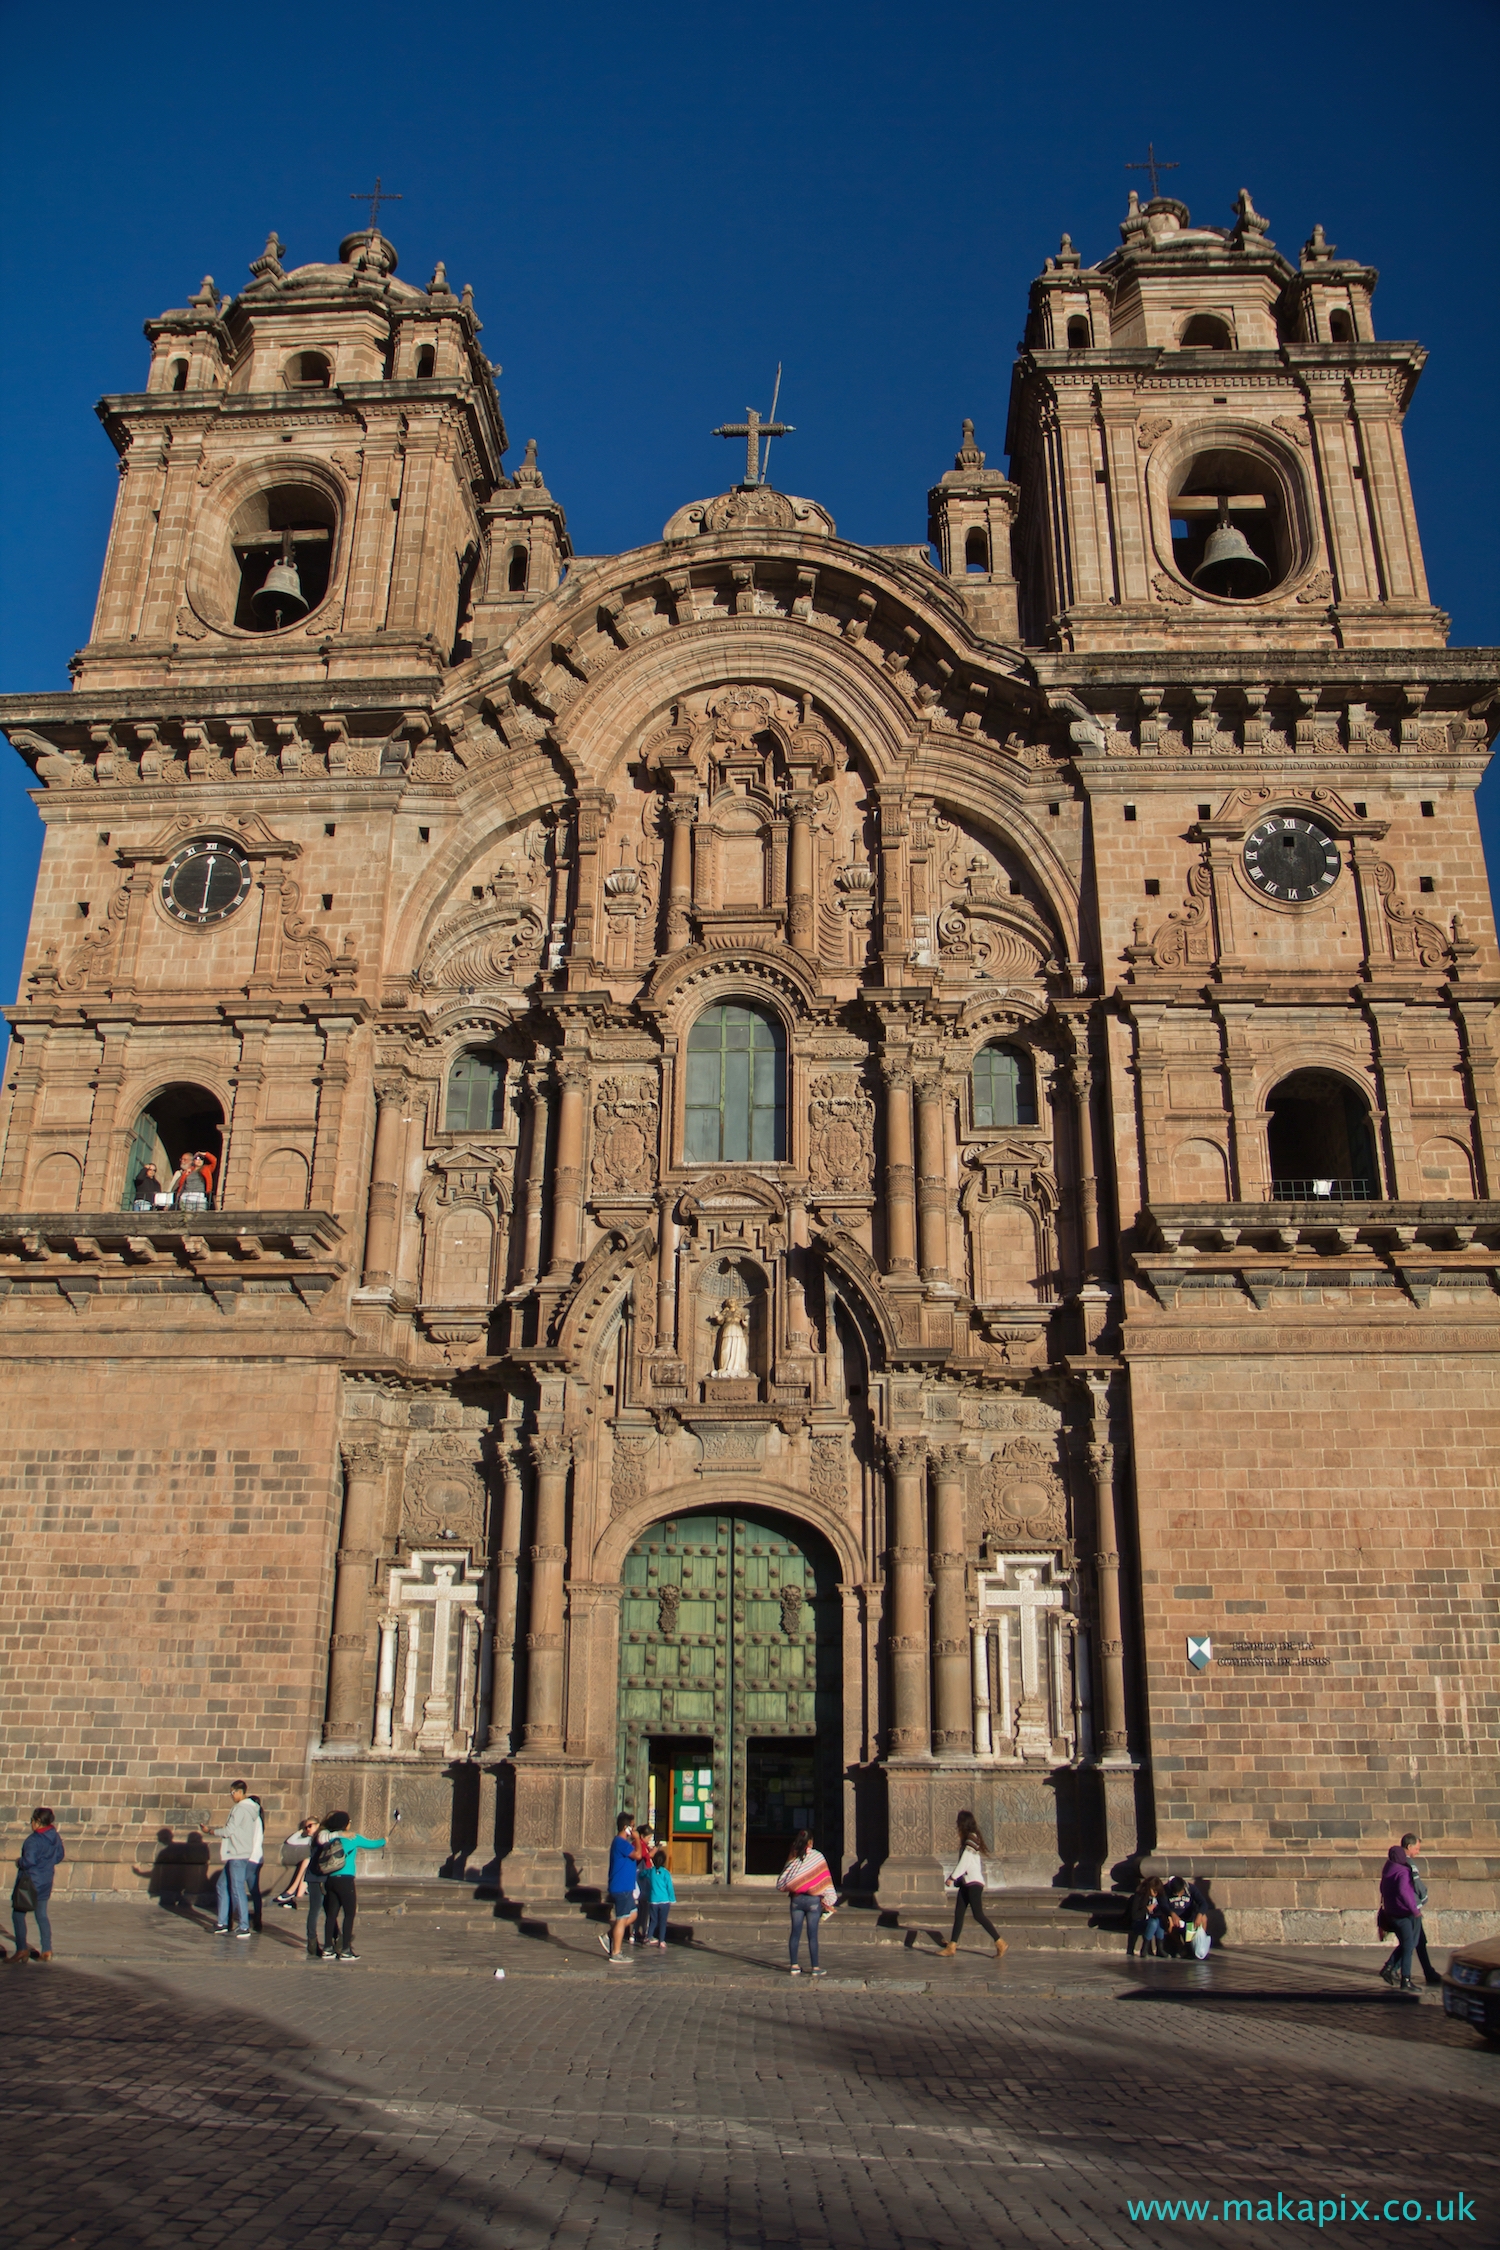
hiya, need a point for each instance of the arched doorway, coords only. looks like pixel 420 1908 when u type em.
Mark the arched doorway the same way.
pixel 730 1711
pixel 174 1122
pixel 1321 1140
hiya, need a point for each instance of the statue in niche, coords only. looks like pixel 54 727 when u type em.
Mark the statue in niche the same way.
pixel 732 1355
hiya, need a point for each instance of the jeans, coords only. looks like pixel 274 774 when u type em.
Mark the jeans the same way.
pixel 234 1884
pixel 314 1913
pixel 339 1893
pixel 970 1900
pixel 658 1926
pixel 43 1927
pixel 1406 1929
pixel 806 1907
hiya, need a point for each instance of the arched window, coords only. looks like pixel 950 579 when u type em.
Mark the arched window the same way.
pixel 426 363
pixel 1339 329
pixel 1322 1140
pixel 180 1122
pixel 1079 338
pixel 1004 1088
pixel 179 374
pixel 476 1095
pixel 736 1088
pixel 309 371
pixel 516 575
pixel 976 550
pixel 1205 332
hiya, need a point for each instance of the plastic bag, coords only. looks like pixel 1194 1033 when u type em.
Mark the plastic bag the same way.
pixel 1201 1942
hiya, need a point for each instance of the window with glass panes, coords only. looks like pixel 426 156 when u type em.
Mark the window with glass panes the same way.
pixel 736 1088
pixel 1004 1087
pixel 476 1095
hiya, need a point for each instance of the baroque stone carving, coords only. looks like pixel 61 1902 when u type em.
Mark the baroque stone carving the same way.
pixel 828 1471
pixel 625 1125
pixel 1018 1498
pixel 792 1599
pixel 497 939
pixel 1186 938
pixel 1413 939
pixel 628 1472
pixel 842 1118
pixel 668 1603
pixel 443 1494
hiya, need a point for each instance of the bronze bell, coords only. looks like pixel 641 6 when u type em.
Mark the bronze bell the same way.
pixel 1230 565
pixel 280 600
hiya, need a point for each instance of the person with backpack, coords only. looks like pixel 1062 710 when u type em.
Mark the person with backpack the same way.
pixel 40 1855
pixel 967 1880
pixel 337 1846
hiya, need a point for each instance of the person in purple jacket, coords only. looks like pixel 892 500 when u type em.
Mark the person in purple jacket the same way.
pixel 1402 1910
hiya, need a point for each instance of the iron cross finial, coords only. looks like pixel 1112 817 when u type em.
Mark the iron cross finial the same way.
pixel 374 196
pixel 1153 164
pixel 752 430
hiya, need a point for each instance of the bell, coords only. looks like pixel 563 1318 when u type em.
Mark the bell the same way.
pixel 280 600
pixel 1230 565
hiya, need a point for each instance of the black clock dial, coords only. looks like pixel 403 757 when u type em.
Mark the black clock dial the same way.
pixel 1289 858
pixel 205 882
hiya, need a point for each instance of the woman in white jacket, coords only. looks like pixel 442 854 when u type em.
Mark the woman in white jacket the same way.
pixel 967 1880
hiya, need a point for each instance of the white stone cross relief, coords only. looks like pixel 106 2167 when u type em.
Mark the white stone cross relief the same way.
pixel 1025 1588
pixel 443 1677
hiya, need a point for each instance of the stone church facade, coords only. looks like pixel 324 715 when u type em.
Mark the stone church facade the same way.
pixel 849 1181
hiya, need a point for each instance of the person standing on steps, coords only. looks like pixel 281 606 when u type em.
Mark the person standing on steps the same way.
pixel 40 1855
pixel 967 1880
pixel 337 1845
pixel 241 1845
pixel 805 1878
pixel 620 1889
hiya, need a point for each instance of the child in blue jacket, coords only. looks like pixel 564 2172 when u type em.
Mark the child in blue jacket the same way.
pixel 663 1899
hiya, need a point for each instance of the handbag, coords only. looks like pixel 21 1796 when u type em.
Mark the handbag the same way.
pixel 23 1899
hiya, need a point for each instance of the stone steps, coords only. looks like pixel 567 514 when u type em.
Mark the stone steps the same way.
pixel 1042 1919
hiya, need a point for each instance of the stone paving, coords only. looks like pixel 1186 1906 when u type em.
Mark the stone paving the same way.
pixel 164 2086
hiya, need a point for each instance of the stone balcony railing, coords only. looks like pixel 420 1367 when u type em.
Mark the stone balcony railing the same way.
pixel 230 1256
pixel 1408 1249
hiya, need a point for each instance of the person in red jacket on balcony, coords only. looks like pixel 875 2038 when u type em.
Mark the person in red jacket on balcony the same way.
pixel 193 1181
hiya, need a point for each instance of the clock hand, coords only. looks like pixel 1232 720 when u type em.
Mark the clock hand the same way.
pixel 208 876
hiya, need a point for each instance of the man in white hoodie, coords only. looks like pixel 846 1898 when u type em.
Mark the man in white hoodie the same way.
pixel 241 1849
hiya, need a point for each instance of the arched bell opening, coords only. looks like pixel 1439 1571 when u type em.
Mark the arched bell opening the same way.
pixel 976 551
pixel 1206 332
pixel 178 1124
pixel 1230 534
pixel 730 1691
pixel 282 541
pixel 1321 1140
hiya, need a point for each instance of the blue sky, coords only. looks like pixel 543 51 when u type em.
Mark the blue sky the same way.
pixel 656 205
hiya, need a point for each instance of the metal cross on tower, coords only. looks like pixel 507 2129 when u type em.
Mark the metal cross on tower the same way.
pixel 752 430
pixel 1153 165
pixel 374 196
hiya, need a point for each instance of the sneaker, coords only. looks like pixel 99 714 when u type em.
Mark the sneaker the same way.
pixel 221 1929
pixel 348 1957
pixel 283 1901
pixel 603 1939
pixel 818 1972
pixel 795 1970
pixel 621 1961
pixel 245 1934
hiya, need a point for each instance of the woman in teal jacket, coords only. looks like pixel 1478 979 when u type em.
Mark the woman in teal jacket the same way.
pixel 337 1845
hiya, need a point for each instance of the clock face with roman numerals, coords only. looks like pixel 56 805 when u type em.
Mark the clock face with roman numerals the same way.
pixel 1290 858
pixel 205 882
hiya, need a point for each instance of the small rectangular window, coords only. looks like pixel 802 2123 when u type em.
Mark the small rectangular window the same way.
pixel 330 828
pixel 1153 887
pixel 1429 809
pixel 424 835
pixel 1426 884
pixel 104 835
pixel 1205 812
pixel 1360 813
pixel 1130 812
pixel 1054 810
pixel 328 902
pixel 83 909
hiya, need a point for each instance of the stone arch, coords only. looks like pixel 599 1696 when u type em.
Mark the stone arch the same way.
pixel 56 1182
pixel 1446 1155
pixel 728 1495
pixel 1200 1172
pixel 1272 456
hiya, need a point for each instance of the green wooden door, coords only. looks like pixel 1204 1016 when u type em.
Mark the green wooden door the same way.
pixel 730 1657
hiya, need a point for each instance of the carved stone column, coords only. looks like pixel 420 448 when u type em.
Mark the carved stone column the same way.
pixel 911 1732
pixel 536 1172
pixel 953 1715
pixel 900 1174
pixel 383 1213
pixel 666 1275
pixel 932 1184
pixel 1113 1736
pixel 1081 1088
pixel 544 1638
pixel 567 1176
pixel 348 1720
pixel 799 885
pixel 501 1736
pixel 680 811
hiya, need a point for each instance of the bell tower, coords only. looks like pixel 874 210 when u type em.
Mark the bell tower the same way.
pixel 302 481
pixel 1208 445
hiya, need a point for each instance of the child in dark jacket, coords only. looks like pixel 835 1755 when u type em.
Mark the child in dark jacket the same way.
pixel 40 1855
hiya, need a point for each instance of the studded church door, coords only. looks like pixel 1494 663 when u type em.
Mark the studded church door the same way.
pixel 730 1666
